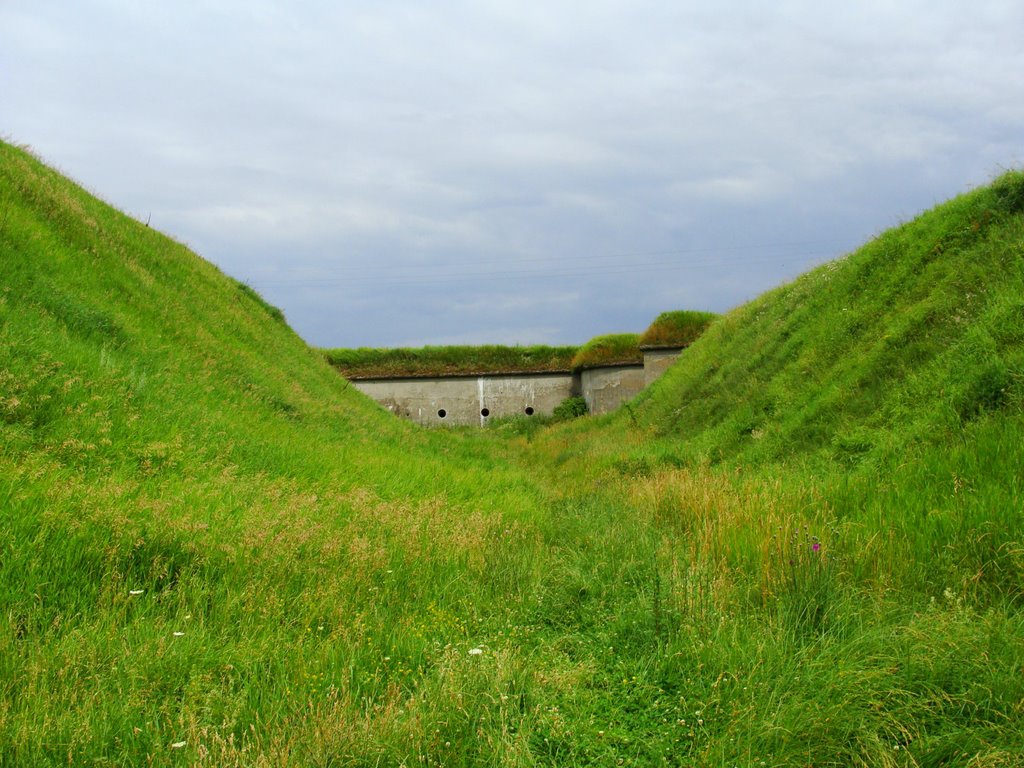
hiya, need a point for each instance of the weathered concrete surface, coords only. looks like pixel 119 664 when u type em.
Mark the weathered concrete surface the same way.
pixel 607 387
pixel 472 400
pixel 469 400
pixel 657 361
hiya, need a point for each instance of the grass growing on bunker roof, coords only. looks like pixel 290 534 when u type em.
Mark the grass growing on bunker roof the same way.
pixel 678 328
pixel 609 349
pixel 366 362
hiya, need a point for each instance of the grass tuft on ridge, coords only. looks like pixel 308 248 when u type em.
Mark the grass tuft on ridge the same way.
pixel 609 349
pixel 678 328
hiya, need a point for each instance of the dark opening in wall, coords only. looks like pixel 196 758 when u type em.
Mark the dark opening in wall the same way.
pixel 442 413
pixel 529 410
pixel 485 412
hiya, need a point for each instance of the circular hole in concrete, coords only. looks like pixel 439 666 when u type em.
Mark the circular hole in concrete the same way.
pixel 529 410
pixel 442 413
pixel 485 412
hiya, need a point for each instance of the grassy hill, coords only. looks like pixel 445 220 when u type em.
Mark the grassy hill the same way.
pixel 835 470
pixel 801 547
pixel 173 459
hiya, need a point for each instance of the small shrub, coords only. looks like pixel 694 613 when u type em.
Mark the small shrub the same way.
pixel 570 408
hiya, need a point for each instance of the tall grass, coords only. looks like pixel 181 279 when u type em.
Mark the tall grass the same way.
pixel 804 549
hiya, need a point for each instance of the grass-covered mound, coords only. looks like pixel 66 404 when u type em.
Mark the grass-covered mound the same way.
pixel 678 328
pixel 834 471
pixel 906 341
pixel 214 552
pixel 207 537
pixel 366 363
pixel 610 349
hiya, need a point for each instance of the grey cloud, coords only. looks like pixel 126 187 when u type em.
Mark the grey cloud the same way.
pixel 376 169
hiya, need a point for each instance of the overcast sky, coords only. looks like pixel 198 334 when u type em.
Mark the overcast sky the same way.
pixel 399 173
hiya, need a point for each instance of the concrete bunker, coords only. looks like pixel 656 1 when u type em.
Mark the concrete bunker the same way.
pixel 474 400
pixel 429 387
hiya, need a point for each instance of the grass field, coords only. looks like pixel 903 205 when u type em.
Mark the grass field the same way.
pixel 801 547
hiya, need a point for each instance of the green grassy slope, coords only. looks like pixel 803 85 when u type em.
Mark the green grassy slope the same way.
pixel 801 547
pixel 894 377
pixel 907 339
pixel 174 459
pixel 835 474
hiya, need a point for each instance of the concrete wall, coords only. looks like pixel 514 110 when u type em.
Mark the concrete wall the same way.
pixel 657 361
pixel 606 388
pixel 464 399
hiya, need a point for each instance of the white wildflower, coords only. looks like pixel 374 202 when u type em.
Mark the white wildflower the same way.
pixel 475 651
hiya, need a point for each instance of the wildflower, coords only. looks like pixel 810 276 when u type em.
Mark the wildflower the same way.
pixel 816 546
pixel 178 744
pixel 475 651
pixel 178 634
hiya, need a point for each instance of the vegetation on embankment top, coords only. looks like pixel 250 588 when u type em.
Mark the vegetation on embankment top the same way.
pixel 679 328
pixel 368 363
pixel 610 349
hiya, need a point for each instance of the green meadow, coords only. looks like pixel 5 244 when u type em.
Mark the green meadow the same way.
pixel 802 546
